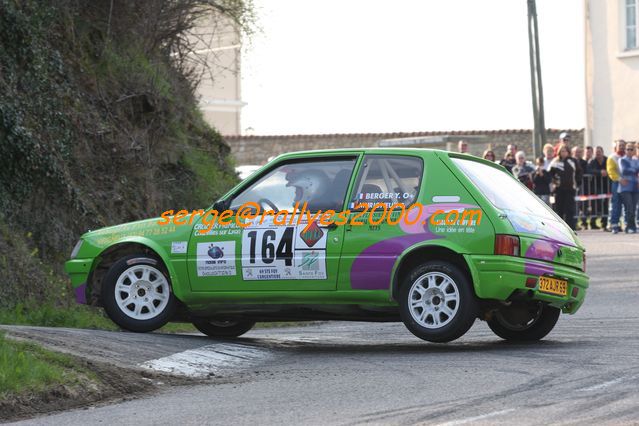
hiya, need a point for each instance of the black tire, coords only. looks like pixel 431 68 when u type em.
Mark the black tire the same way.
pixel 454 325
pixel 541 321
pixel 155 320
pixel 224 329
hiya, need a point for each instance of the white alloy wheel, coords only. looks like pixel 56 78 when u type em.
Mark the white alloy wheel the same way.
pixel 142 292
pixel 433 300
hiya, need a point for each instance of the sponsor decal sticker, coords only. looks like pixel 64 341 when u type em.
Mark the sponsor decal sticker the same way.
pixel 178 247
pixel 217 229
pixel 312 235
pixel 216 259
pixel 446 199
pixel 274 252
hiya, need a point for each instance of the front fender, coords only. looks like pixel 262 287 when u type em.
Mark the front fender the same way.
pixel 176 286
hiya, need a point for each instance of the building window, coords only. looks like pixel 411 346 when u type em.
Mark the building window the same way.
pixel 631 24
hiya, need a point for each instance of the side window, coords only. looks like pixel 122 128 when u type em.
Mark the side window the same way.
pixel 388 179
pixel 321 184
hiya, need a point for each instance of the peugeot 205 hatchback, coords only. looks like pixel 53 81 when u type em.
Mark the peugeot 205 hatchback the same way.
pixel 430 238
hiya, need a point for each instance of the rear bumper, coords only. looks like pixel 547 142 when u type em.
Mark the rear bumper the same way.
pixel 79 270
pixel 498 277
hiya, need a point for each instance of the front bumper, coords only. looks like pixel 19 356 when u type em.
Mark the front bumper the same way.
pixel 79 270
pixel 498 277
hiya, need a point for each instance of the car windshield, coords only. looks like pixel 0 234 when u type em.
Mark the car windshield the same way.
pixel 502 189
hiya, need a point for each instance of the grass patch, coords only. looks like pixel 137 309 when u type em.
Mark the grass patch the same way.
pixel 82 316
pixel 25 367
pixel 77 316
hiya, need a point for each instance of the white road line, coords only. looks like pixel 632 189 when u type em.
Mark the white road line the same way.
pixel 215 359
pixel 477 418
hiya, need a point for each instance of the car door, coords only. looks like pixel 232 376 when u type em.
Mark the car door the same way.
pixel 375 236
pixel 282 250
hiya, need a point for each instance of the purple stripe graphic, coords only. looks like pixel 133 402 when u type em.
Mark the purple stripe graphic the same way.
pixel 81 295
pixel 373 266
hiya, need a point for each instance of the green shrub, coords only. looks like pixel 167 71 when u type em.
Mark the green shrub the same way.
pixel 98 126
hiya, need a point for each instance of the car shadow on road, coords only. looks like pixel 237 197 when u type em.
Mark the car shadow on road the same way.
pixel 345 348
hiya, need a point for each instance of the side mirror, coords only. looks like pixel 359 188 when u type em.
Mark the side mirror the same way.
pixel 221 205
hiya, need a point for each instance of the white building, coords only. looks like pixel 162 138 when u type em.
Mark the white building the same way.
pixel 612 71
pixel 218 43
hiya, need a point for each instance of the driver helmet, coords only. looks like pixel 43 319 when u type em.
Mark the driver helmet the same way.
pixel 309 185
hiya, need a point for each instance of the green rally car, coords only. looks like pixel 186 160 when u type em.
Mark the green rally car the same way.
pixel 464 240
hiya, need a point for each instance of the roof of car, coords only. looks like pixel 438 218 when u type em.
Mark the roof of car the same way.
pixel 367 149
pixel 390 151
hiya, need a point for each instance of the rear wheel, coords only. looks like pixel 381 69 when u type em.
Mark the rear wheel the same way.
pixel 213 328
pixel 136 293
pixel 522 323
pixel 437 302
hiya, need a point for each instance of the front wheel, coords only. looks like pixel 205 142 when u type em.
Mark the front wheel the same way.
pixel 227 329
pixel 437 302
pixel 136 293
pixel 524 323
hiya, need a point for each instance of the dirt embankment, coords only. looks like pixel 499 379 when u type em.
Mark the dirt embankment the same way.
pixel 95 383
pixel 99 125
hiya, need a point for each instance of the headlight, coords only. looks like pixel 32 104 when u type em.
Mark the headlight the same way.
pixel 76 249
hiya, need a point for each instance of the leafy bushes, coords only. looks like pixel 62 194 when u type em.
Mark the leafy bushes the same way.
pixel 98 125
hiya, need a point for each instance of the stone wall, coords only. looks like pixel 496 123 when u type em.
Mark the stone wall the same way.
pixel 256 150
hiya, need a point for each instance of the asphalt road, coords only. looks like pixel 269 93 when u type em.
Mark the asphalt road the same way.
pixel 585 371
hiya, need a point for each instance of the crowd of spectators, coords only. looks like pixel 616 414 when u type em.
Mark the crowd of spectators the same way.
pixel 584 187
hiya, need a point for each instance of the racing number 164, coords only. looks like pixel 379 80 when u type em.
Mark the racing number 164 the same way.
pixel 269 252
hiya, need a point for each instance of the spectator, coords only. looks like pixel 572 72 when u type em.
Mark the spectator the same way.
pixel 565 173
pixel 509 158
pixel 628 189
pixel 523 170
pixel 589 153
pixel 549 152
pixel 564 139
pixel 612 168
pixel 578 154
pixel 541 181
pixel 583 187
pixel 489 155
pixel 597 168
pixel 636 156
pixel 462 147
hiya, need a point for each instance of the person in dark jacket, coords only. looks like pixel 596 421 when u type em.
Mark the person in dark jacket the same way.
pixel 583 187
pixel 565 172
pixel 523 170
pixel 508 161
pixel 601 187
pixel 541 180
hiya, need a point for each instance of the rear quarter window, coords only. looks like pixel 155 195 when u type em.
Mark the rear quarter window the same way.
pixel 502 189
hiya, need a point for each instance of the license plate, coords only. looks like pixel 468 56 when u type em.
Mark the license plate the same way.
pixel 553 286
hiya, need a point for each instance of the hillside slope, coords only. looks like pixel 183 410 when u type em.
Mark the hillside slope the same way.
pixel 98 126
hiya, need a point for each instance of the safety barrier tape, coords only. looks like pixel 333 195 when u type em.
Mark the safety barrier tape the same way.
pixel 592 197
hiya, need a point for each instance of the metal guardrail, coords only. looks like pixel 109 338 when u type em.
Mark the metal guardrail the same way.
pixel 592 198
